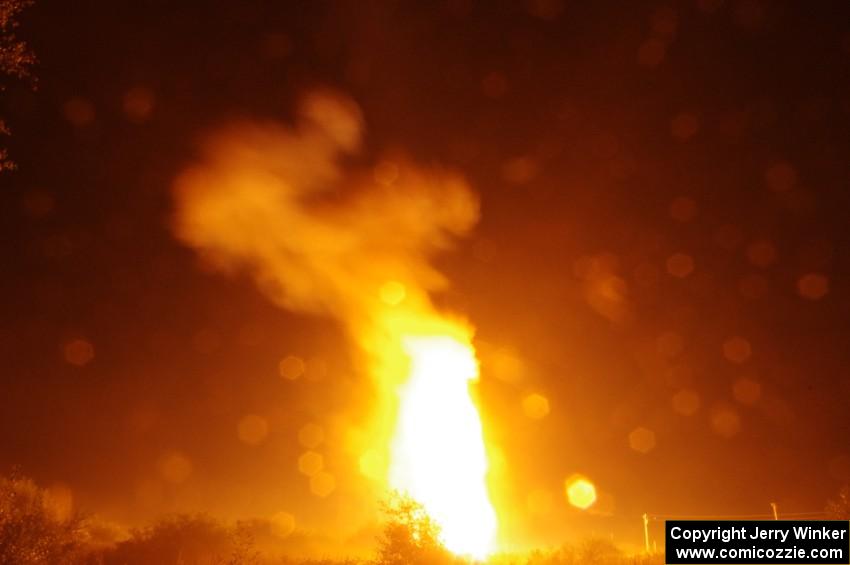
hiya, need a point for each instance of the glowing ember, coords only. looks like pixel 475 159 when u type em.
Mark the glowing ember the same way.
pixel 438 454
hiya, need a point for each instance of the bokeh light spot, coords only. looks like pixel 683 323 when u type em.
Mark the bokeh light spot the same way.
pixel 78 352
pixel 580 492
pixel 322 484
pixel 138 104
pixel 79 112
pixel 761 253
pixel 392 293
pixel 282 524
pixel 780 177
pixel 684 126
pixel 680 265
pixel 651 53
pixel 385 173
pixel 175 467
pixel 291 367
pixel 252 429
pixel 746 390
pixel 686 402
pixel 535 406
pixel 813 286
pixel 310 463
pixel 669 344
pixel 642 440
pixel 737 349
pixel 519 170
pixel 725 422
pixel 494 85
pixel 311 435
pixel 683 209
pixel 372 464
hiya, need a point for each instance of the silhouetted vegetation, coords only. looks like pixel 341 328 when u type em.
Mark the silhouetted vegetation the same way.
pixel 33 530
pixel 410 536
pixel 16 59
pixel 838 508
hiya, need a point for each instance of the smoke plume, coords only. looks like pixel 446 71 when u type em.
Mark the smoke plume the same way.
pixel 277 202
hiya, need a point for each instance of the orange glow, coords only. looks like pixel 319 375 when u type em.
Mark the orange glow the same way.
pixel 581 493
pixel 438 454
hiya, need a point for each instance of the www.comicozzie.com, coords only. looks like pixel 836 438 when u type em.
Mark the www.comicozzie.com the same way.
pixel 776 541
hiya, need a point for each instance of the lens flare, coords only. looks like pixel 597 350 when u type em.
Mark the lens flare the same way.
pixel 438 455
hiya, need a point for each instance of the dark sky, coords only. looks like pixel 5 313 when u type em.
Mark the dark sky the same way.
pixel 662 251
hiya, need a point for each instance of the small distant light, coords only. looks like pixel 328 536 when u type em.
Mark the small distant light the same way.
pixel 175 467
pixel 813 286
pixel 642 440
pixel 291 367
pixel 252 429
pixel 746 390
pixel 651 53
pixel 535 406
pixel 725 422
pixel 680 265
pixel 79 112
pixel 737 349
pixel 686 402
pixel 78 352
pixel 322 484
pixel 310 463
pixel 683 209
pixel 311 435
pixel 780 177
pixel 580 492
pixel 282 524
pixel 684 126
pixel 392 293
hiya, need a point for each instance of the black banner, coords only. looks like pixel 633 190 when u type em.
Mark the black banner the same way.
pixel 757 541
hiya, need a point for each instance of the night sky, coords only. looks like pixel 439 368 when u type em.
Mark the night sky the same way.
pixel 662 253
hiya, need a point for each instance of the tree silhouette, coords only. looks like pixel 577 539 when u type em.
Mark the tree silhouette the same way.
pixel 32 532
pixel 839 507
pixel 410 536
pixel 16 60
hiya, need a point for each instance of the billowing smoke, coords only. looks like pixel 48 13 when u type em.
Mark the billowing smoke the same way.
pixel 277 201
